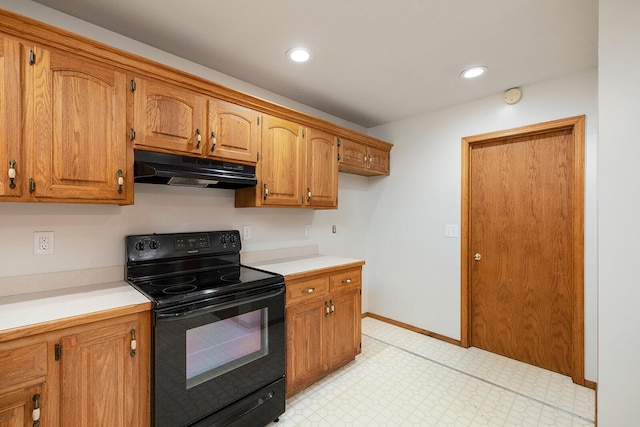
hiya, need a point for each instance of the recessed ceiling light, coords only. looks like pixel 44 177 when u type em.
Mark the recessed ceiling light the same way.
pixel 473 72
pixel 299 54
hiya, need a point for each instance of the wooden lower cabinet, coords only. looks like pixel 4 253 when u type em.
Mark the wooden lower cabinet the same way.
pixel 78 376
pixel 323 324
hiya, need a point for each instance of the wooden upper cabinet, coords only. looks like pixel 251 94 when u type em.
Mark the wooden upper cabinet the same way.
pixel 280 168
pixel 168 118
pixel 363 159
pixel 282 159
pixel 75 129
pixel 322 170
pixel 234 131
pixel 11 149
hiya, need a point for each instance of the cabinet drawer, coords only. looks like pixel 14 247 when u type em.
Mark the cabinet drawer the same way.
pixel 348 279
pixel 19 365
pixel 306 290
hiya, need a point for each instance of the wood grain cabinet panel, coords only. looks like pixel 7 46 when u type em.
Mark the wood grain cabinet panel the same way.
pixel 100 377
pixel 363 159
pixel 234 132
pixel 11 149
pixel 16 408
pixel 76 129
pixel 168 118
pixel 83 375
pixel 321 170
pixel 323 325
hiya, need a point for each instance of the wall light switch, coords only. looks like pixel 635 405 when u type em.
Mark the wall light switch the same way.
pixel 451 230
pixel 307 230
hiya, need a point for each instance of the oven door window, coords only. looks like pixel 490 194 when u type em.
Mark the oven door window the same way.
pixel 216 348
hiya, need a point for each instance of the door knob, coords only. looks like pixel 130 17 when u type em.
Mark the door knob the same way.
pixel 477 257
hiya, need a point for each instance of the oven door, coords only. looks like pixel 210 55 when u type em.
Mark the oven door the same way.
pixel 211 354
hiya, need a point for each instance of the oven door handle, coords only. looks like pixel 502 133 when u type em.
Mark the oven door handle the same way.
pixel 181 313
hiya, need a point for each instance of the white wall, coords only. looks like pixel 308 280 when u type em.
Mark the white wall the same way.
pixel 619 212
pixel 410 208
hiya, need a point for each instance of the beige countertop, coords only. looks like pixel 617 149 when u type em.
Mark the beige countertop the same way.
pixel 17 311
pixel 305 264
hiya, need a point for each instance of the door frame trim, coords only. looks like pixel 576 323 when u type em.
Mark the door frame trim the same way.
pixel 576 125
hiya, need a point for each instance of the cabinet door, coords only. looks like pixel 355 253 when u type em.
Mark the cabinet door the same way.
pixel 76 128
pixel 168 117
pixel 16 408
pixel 233 131
pixel 281 161
pixel 378 161
pixel 11 149
pixel 306 330
pixel 345 335
pixel 353 154
pixel 322 169
pixel 99 377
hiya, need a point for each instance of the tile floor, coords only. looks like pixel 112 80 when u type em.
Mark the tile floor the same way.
pixel 403 378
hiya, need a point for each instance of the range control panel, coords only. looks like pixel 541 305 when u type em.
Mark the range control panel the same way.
pixel 148 247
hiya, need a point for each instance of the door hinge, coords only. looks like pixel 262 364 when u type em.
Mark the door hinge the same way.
pixel 57 350
pixel 32 57
pixel 132 134
pixel 132 86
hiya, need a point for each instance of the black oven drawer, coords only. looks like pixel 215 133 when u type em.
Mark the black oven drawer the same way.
pixel 257 409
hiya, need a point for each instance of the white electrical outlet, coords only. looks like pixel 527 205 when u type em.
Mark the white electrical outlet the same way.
pixel 43 243
pixel 246 232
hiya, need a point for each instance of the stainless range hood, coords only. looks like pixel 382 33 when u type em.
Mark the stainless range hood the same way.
pixel 170 169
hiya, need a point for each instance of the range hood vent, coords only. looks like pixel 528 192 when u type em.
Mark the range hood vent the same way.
pixel 170 169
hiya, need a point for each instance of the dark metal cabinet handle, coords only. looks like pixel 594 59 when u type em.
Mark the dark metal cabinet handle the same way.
pixel 333 307
pixel 198 138
pixel 35 414
pixel 308 194
pixel 12 174
pixel 327 310
pixel 266 191
pixel 214 141
pixel 134 343
pixel 120 181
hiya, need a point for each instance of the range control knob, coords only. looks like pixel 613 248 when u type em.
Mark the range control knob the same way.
pixel 153 244
pixel 223 239
pixel 139 245
pixel 232 238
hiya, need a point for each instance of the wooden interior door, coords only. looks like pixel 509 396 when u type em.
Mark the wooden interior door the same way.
pixel 524 244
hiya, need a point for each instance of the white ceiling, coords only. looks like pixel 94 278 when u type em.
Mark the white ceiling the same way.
pixel 374 61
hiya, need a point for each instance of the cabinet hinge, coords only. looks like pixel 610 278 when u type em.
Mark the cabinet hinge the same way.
pixel 32 186
pixel 339 157
pixel 258 156
pixel 132 134
pixel 32 57
pixel 132 86
pixel 338 142
pixel 303 133
pixel 57 350
pixel 258 120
